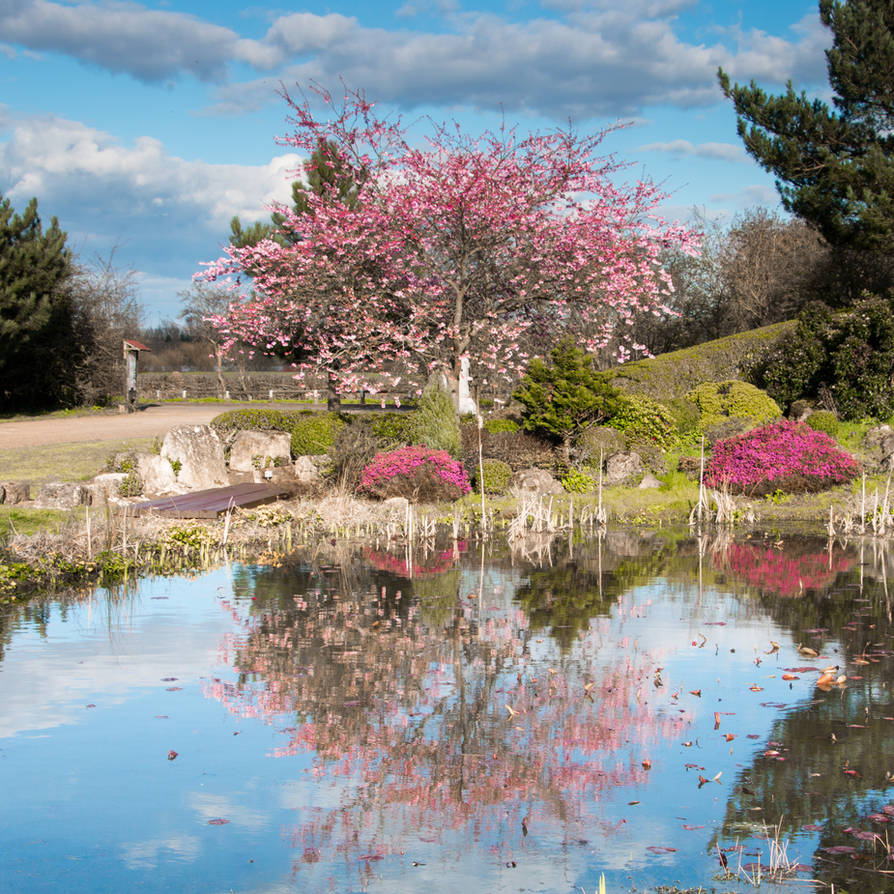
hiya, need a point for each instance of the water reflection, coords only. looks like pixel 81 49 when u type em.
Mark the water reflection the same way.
pixel 630 705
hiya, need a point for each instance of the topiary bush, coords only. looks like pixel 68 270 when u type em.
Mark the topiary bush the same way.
pixel 645 421
pixel 314 433
pixel 253 419
pixel 719 401
pixel 417 473
pixel 824 420
pixel 435 423
pixel 565 394
pixel 496 476
pixel 389 427
pixel 787 456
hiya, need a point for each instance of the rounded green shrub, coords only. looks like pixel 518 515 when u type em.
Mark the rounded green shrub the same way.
pixel 644 421
pixel 392 427
pixel 577 482
pixel 493 477
pixel 494 426
pixel 253 419
pixel 314 433
pixel 719 401
pixel 824 420
pixel 435 424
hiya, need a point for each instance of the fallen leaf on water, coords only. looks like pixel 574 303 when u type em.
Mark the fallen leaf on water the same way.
pixel 812 827
pixel 697 692
pixel 716 720
pixel 692 828
pixel 840 849
pixel 632 803
pixel 730 736
pixel 790 677
pixel 774 647
pixel 851 772
pixel 647 765
pixel 219 821
pixel 658 849
pixel 755 688
pixel 806 650
pixel 171 755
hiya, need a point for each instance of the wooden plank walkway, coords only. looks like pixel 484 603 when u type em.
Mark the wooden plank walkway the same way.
pixel 212 502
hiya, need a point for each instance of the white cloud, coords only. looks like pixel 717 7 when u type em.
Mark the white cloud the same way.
pixel 601 59
pixel 147 43
pixel 680 148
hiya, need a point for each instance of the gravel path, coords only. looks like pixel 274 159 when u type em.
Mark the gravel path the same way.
pixel 145 423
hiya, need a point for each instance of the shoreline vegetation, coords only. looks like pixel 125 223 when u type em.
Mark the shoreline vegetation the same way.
pixel 44 549
pixel 52 550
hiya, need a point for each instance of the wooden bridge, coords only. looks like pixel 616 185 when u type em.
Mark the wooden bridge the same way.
pixel 212 502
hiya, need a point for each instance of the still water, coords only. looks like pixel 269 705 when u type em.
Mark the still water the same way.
pixel 458 720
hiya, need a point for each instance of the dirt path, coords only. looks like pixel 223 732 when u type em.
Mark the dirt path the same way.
pixel 146 423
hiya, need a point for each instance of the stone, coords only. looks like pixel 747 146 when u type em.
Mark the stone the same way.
pixel 622 468
pixel 538 481
pixel 307 469
pixel 61 495
pixel 199 452
pixel 649 481
pixel 105 487
pixel 157 475
pixel 15 491
pixel 253 450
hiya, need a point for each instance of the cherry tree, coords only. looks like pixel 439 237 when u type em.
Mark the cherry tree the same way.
pixel 456 247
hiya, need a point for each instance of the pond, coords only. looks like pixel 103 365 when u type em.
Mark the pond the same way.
pixel 459 719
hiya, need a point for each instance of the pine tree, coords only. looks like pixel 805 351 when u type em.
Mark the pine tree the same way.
pixel 834 166
pixel 41 349
pixel 328 176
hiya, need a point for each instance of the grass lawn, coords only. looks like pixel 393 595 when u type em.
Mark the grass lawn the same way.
pixel 14 519
pixel 64 462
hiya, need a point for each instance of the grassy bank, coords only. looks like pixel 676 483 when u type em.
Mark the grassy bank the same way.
pixel 63 462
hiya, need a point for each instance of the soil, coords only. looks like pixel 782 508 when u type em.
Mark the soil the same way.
pixel 145 423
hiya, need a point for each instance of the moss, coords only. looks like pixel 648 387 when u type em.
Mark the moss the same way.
pixel 671 375
pixel 719 402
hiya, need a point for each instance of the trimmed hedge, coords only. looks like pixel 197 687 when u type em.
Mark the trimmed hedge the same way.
pixel 719 401
pixel 496 477
pixel 312 433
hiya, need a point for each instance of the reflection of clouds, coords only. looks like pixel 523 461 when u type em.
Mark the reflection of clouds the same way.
pixel 211 807
pixel 146 854
pixel 47 681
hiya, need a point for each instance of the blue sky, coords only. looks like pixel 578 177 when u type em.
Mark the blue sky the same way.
pixel 144 127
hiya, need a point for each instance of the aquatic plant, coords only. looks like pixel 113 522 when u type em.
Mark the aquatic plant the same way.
pixel 785 455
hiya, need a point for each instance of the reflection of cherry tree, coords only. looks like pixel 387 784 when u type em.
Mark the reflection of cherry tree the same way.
pixel 448 727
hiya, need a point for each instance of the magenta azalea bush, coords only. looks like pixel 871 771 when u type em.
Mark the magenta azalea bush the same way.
pixel 787 456
pixel 417 473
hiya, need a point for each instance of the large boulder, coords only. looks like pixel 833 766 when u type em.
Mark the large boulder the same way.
pixel 622 468
pixel 537 481
pixel 61 495
pixel 198 454
pixel 308 469
pixel 157 475
pixel 14 491
pixel 878 442
pixel 257 449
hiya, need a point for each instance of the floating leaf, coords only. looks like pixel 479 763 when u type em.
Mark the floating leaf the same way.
pixel 219 821
pixel 658 849
pixel 172 754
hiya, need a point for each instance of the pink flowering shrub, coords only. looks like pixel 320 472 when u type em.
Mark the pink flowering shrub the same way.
pixel 417 473
pixel 788 456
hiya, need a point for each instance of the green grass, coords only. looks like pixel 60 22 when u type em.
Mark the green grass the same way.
pixel 14 519
pixel 76 461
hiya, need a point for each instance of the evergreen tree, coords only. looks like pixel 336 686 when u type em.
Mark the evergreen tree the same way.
pixel 834 166
pixel 41 337
pixel 328 176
